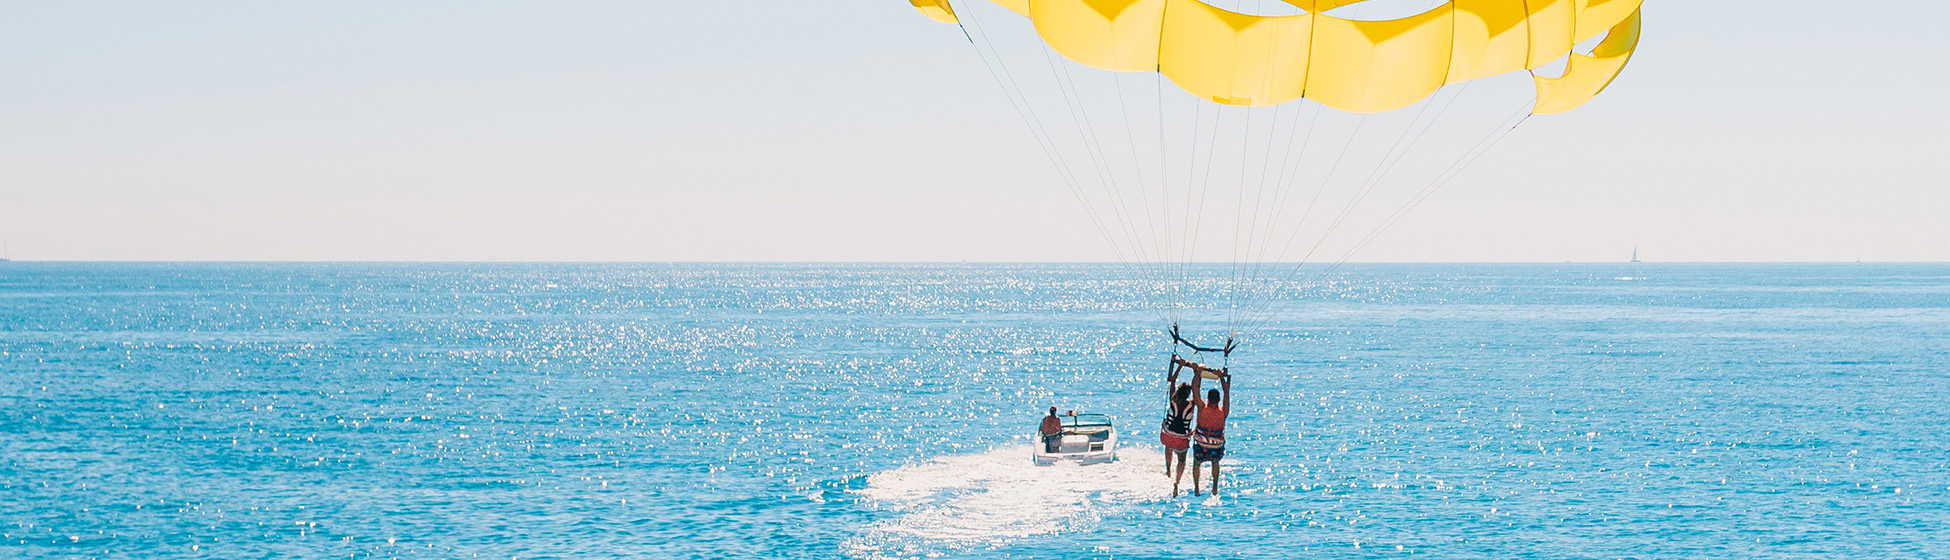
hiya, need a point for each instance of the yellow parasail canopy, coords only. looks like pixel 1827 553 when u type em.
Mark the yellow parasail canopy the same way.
pixel 1351 65
pixel 937 10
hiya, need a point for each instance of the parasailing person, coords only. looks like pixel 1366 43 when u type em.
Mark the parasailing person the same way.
pixel 1209 440
pixel 1176 433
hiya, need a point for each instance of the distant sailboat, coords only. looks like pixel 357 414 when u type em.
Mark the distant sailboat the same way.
pixel 1635 253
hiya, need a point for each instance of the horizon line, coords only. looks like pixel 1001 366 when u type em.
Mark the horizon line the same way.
pixel 1146 263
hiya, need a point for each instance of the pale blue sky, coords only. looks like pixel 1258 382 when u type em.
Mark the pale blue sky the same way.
pixel 857 130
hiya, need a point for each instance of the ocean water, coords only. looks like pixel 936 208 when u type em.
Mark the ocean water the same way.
pixel 882 411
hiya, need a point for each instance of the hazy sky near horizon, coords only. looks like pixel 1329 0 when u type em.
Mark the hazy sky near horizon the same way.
pixel 860 131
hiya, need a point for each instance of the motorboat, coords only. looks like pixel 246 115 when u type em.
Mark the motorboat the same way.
pixel 1087 439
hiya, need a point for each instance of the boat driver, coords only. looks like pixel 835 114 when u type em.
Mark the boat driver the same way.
pixel 1052 432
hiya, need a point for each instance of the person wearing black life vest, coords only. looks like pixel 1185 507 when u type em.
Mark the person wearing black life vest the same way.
pixel 1176 433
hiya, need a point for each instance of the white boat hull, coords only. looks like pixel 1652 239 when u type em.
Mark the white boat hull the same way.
pixel 1043 459
pixel 1083 445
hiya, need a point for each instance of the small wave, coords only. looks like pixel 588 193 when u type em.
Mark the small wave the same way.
pixel 991 499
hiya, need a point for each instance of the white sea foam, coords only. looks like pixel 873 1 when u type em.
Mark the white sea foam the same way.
pixel 993 498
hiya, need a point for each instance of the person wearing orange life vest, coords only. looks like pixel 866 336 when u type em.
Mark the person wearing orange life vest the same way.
pixel 1209 438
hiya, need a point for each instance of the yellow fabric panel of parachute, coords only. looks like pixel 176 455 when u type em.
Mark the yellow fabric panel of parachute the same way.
pixel 1318 6
pixel 1116 35
pixel 1586 75
pixel 1263 60
pixel 1375 66
pixel 1492 37
pixel 1599 16
pixel 937 10
pixel 1553 29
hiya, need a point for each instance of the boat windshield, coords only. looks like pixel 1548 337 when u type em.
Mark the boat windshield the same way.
pixel 1086 421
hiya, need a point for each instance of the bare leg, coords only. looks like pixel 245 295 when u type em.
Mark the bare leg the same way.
pixel 1167 461
pixel 1181 475
pixel 1215 477
pixel 1195 479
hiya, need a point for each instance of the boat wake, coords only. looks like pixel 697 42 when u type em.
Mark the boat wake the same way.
pixel 991 499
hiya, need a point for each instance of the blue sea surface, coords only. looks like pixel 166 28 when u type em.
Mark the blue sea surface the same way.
pixel 883 411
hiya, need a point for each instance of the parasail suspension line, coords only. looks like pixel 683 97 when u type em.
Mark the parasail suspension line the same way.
pixel 1396 153
pixel 1469 157
pixel 1086 129
pixel 1027 112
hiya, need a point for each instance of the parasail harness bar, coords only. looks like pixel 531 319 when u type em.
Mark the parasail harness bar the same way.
pixel 1224 350
pixel 1178 363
